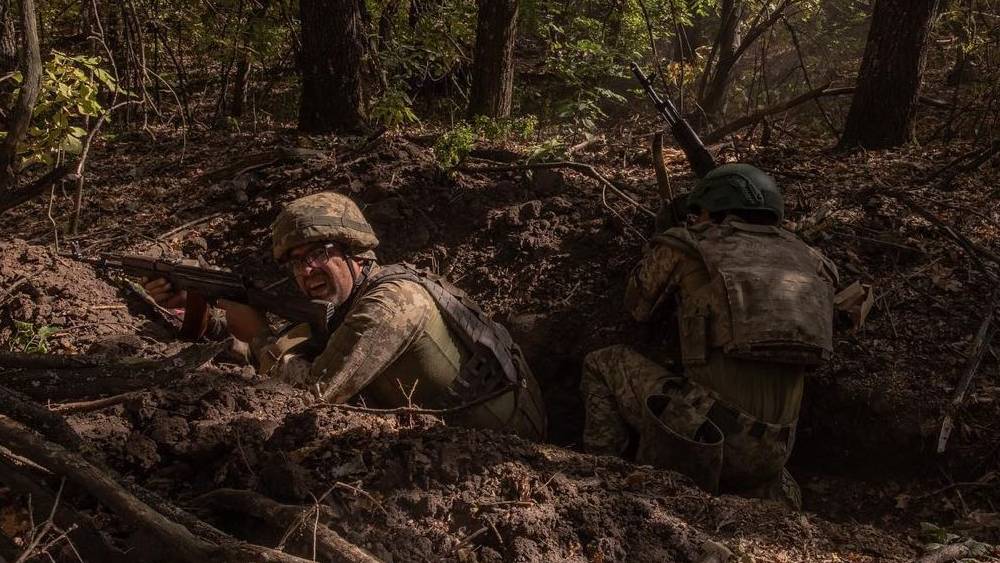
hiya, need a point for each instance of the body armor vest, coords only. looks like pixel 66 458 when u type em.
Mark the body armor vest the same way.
pixel 495 363
pixel 769 296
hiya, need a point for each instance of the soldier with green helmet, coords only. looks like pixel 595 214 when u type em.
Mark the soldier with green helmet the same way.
pixel 399 337
pixel 748 309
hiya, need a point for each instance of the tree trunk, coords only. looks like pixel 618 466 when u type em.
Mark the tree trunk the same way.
pixel 8 39
pixel 713 92
pixel 20 116
pixel 687 38
pixel 241 87
pixel 333 45
pixel 493 63
pixel 885 102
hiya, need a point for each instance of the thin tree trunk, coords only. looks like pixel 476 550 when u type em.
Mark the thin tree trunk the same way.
pixel 885 103
pixel 333 46
pixel 244 63
pixel 21 114
pixel 8 38
pixel 493 63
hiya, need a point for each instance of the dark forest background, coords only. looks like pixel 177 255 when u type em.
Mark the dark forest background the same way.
pixel 859 74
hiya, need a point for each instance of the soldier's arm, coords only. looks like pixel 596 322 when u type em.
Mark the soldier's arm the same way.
pixel 374 334
pixel 654 275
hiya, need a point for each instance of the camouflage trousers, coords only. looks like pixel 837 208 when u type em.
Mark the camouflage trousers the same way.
pixel 623 389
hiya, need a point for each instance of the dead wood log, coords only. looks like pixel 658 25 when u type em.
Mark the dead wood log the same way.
pixel 72 383
pixel 172 536
pixel 329 544
pixel 259 160
pixel 22 409
pixel 85 537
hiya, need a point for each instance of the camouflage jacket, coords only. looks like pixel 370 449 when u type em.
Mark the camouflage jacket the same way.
pixel 671 271
pixel 392 342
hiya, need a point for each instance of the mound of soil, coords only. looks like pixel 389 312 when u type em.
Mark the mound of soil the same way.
pixel 407 488
pixel 52 303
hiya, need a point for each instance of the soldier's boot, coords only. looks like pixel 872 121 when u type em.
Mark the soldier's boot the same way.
pixel 664 442
pixel 783 488
pixel 791 490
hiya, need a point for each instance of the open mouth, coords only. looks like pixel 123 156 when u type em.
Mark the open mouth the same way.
pixel 317 287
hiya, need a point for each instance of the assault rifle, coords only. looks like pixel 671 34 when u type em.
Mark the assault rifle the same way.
pixel 698 157
pixel 204 285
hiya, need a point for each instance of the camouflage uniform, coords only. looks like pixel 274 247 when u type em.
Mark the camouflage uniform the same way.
pixel 393 347
pixel 752 310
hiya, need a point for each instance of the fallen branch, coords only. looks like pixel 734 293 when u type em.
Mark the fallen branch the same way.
pixel 979 345
pixel 51 425
pixel 46 361
pixel 330 545
pixel 75 383
pixel 585 169
pixel 259 160
pixel 88 540
pixel 37 188
pixel 178 540
pixel 759 115
pixel 188 225
pixel 417 410
pixel 971 248
pixel 90 406
pixel 780 107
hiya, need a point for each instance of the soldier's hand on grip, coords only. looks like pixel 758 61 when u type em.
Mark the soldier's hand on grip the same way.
pixel 163 293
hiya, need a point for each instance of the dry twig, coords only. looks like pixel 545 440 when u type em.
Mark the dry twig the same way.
pixel 976 353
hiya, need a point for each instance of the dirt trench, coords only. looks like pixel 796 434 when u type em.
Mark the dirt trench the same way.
pixel 547 257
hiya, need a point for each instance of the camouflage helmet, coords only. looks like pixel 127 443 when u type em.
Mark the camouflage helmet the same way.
pixel 325 216
pixel 733 187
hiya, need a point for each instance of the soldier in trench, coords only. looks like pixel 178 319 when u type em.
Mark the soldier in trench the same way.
pixel 748 308
pixel 401 336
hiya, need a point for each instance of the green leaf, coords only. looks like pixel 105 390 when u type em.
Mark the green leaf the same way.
pixel 72 145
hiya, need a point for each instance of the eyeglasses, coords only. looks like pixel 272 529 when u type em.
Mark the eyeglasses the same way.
pixel 313 259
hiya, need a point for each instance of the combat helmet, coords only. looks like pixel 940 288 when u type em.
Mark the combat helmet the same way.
pixel 733 187
pixel 325 216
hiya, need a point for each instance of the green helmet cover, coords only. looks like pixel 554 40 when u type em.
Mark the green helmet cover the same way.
pixel 732 187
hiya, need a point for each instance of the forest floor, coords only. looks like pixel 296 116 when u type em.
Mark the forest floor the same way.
pixel 548 254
